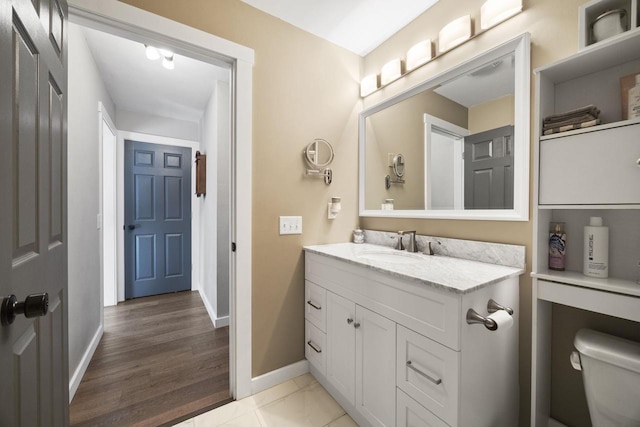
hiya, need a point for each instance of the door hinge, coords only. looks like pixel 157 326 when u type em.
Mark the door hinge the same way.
pixel 233 246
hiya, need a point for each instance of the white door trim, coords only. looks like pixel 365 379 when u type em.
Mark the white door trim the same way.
pixel 108 240
pixel 125 20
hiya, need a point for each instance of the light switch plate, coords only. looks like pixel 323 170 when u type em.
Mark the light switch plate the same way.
pixel 290 225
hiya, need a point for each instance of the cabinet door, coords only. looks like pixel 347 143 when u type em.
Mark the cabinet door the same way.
pixel 341 348
pixel 592 168
pixel 375 368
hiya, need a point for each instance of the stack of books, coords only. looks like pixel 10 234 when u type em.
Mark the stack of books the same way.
pixel 575 119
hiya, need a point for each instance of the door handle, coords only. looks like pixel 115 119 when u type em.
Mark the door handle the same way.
pixel 133 226
pixel 34 305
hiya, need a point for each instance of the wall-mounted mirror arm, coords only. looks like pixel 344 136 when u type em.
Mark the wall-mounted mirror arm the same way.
pixel 388 181
pixel 319 154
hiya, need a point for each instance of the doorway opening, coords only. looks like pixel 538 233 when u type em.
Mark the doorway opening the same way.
pixel 119 18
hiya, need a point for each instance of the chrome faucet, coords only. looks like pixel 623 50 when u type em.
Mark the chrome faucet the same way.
pixel 429 249
pixel 411 247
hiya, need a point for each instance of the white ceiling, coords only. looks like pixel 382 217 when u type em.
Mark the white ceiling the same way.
pixel 488 82
pixel 357 25
pixel 140 85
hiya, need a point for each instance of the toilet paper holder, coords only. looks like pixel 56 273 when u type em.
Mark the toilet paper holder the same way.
pixel 492 306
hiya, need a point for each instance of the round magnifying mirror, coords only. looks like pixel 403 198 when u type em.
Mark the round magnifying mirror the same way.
pixel 398 165
pixel 319 153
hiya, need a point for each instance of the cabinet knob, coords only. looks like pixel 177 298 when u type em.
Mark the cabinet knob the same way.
pixel 356 325
pixel 638 162
pixel 349 321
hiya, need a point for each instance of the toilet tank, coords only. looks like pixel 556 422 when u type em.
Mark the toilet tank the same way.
pixel 611 374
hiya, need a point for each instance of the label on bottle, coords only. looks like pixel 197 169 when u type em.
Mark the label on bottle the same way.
pixel 557 249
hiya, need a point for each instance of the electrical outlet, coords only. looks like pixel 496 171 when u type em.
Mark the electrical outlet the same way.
pixel 290 225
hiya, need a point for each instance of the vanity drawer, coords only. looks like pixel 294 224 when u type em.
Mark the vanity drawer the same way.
pixel 411 414
pixel 315 345
pixel 315 305
pixel 429 373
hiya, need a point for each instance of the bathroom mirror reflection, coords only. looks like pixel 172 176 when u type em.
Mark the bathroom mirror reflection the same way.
pixel 464 136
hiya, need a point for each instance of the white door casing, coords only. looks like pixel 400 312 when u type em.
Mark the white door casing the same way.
pixel 133 23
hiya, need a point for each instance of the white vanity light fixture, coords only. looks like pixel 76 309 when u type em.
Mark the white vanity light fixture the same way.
pixel 167 62
pixel 334 208
pixel 419 54
pixel 494 12
pixel 368 85
pixel 454 33
pixel 391 71
pixel 151 52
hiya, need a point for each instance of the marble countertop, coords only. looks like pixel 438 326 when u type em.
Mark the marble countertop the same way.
pixel 452 274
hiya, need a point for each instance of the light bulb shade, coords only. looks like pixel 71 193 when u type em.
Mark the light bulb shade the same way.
pixel 167 62
pixel 151 52
pixel 419 54
pixel 454 33
pixel 494 12
pixel 368 85
pixel 391 71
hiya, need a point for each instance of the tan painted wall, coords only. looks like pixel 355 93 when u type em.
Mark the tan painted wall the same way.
pixel 400 129
pixel 491 115
pixel 304 88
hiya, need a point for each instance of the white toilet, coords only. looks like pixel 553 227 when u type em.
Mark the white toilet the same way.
pixel 611 373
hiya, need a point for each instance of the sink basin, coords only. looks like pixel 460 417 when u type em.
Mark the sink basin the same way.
pixel 396 257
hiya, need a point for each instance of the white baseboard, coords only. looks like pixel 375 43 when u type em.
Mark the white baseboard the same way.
pixel 75 380
pixel 554 423
pixel 218 322
pixel 278 376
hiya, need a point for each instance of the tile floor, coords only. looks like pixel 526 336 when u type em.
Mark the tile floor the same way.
pixel 300 402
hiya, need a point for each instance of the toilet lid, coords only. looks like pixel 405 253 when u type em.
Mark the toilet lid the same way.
pixel 608 348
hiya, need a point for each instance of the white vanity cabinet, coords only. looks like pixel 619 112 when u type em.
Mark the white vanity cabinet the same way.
pixel 398 352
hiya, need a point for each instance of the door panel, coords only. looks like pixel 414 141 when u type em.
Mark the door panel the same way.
pixel 33 252
pixel 376 372
pixel 341 352
pixel 157 218
pixel 488 169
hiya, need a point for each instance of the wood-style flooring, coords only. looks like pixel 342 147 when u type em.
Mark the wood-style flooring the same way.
pixel 160 359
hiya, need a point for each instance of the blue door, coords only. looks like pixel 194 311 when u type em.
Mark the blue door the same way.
pixel 157 218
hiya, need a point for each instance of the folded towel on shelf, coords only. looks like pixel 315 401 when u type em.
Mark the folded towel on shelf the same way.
pixel 574 126
pixel 572 121
pixel 590 112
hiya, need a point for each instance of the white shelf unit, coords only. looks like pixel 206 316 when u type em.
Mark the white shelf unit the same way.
pixel 588 13
pixel 602 160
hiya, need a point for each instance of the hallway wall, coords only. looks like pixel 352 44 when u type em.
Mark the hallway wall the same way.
pixel 86 89
pixel 134 121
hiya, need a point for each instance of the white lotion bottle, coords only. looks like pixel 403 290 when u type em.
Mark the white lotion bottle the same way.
pixel 596 249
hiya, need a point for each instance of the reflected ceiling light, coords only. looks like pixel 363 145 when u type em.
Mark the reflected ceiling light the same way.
pixel 494 12
pixel 454 33
pixel 151 52
pixel 165 52
pixel 391 71
pixel 167 62
pixel 368 85
pixel 419 54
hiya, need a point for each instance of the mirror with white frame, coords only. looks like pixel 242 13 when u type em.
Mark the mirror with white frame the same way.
pixel 464 136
